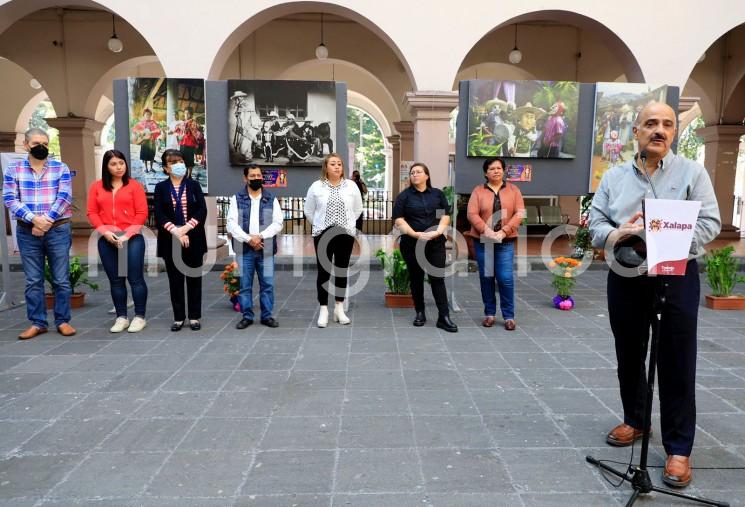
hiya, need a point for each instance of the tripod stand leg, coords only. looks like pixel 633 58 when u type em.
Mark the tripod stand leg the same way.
pixel 607 468
pixel 633 498
pixel 698 499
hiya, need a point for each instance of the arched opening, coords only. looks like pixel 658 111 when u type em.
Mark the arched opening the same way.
pixel 346 33
pixel 717 83
pixel 368 147
pixel 553 45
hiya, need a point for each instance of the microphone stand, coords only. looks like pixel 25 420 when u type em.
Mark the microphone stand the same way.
pixel 638 476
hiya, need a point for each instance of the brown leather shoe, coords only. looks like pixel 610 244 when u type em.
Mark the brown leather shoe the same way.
pixel 32 332
pixel 677 471
pixel 488 321
pixel 510 325
pixel 66 329
pixel 623 435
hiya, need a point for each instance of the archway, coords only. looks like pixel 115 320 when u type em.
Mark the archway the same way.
pixel 343 41
pixel 580 49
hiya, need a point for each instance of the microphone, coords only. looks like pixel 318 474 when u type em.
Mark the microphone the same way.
pixel 643 158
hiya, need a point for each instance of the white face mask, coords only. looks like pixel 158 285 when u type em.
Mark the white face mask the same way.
pixel 178 169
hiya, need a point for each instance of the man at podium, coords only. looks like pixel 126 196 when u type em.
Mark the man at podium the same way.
pixel 616 221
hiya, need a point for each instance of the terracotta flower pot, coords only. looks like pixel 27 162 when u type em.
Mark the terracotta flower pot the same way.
pixel 398 300
pixel 725 302
pixel 77 300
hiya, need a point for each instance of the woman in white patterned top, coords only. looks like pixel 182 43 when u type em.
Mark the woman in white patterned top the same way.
pixel 332 205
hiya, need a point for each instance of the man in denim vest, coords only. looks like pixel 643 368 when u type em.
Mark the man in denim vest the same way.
pixel 254 220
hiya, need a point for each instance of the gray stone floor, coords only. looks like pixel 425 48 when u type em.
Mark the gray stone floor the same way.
pixel 374 414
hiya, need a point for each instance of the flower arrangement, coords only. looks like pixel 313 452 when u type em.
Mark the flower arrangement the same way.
pixel 582 239
pixel 231 284
pixel 563 271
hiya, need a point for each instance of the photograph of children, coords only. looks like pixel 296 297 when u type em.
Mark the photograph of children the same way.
pixel 616 108
pixel 529 119
pixel 166 113
pixel 281 123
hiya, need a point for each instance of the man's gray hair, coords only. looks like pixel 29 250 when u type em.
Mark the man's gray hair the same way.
pixel 34 131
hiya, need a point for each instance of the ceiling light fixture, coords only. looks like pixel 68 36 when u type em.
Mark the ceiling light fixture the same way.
pixel 322 51
pixel 115 44
pixel 515 56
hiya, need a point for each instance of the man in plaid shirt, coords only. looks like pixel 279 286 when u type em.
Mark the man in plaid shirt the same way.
pixel 38 193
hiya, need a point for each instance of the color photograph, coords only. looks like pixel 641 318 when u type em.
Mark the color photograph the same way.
pixel 616 107
pixel 281 123
pixel 528 119
pixel 166 113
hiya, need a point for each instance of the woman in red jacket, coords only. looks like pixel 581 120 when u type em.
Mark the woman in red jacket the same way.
pixel 117 208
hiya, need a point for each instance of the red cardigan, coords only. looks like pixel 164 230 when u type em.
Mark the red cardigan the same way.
pixel 127 211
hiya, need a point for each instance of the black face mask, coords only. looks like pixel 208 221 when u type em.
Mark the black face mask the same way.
pixel 39 152
pixel 255 184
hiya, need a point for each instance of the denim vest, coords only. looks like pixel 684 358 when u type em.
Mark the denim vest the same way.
pixel 266 213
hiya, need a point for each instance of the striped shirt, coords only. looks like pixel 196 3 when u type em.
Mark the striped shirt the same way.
pixel 170 226
pixel 27 194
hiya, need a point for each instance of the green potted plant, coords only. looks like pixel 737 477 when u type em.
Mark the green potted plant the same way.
pixel 396 279
pixel 721 275
pixel 78 276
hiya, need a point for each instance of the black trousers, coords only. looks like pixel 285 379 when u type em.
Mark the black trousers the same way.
pixel 176 281
pixel 434 253
pixel 337 250
pixel 630 309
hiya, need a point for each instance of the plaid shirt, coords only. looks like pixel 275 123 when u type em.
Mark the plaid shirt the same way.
pixel 26 195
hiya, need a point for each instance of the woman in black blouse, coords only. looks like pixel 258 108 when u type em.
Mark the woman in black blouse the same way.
pixel 180 212
pixel 421 213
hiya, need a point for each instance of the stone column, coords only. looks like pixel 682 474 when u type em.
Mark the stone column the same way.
pixel 8 142
pixel 722 143
pixel 431 113
pixel 395 142
pixel 405 136
pixel 78 147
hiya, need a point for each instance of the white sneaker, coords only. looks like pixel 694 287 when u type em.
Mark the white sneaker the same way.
pixel 323 316
pixel 339 315
pixel 137 325
pixel 120 324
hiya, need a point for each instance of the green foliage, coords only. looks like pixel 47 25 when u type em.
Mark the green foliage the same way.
pixel 477 146
pixel 78 275
pixel 39 120
pixel 364 132
pixel 563 281
pixel 721 271
pixel 582 239
pixel 450 195
pixel 395 270
pixel 689 143
pixel 566 92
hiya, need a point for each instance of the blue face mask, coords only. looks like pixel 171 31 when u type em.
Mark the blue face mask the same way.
pixel 178 169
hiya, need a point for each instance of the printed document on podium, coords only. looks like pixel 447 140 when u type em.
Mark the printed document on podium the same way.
pixel 669 225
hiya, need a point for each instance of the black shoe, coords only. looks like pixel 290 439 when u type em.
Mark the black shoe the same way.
pixel 195 325
pixel 444 322
pixel 176 326
pixel 244 323
pixel 270 322
pixel 420 319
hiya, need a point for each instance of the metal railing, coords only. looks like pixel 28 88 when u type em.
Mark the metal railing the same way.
pixel 376 215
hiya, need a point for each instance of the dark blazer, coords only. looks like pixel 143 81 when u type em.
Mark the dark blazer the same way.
pixel 196 208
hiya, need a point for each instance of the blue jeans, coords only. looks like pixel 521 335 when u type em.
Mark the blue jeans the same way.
pixel 133 269
pixel 250 262
pixel 495 265
pixel 55 247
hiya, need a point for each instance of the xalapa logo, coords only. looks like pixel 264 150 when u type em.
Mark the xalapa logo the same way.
pixel 657 225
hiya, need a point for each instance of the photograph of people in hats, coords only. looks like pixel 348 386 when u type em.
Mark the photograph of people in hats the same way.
pixel 281 123
pixel 616 108
pixel 530 119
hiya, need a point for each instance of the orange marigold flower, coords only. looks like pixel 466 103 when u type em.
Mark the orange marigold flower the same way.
pixel 552 264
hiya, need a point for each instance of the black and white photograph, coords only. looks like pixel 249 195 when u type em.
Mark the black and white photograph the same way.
pixel 281 123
